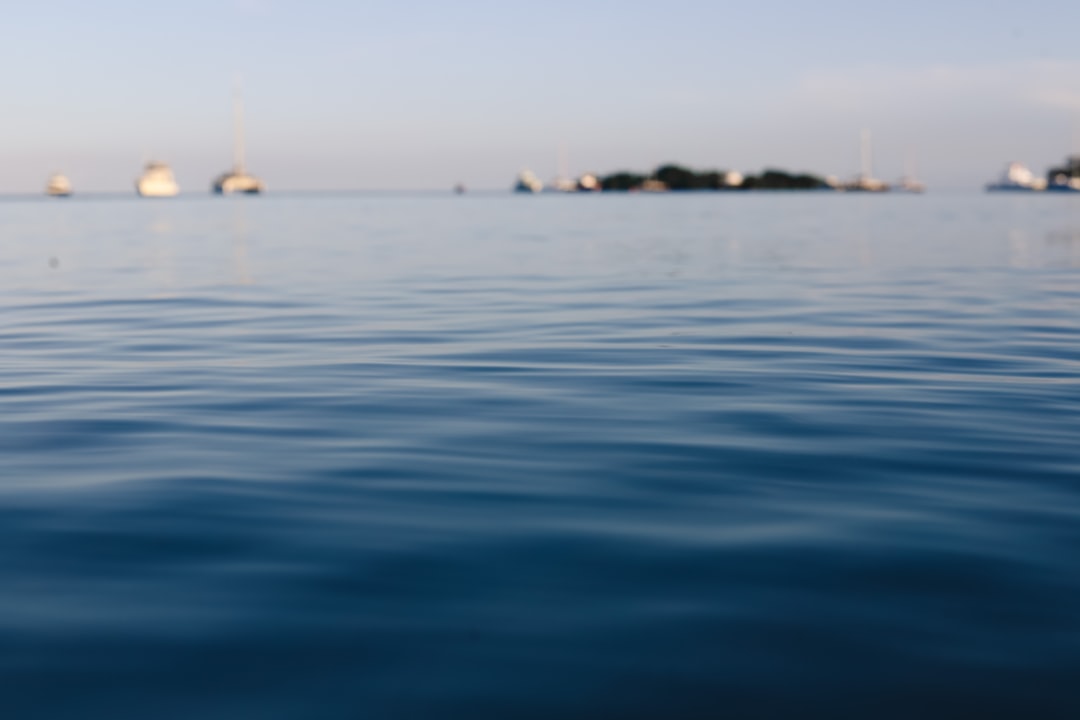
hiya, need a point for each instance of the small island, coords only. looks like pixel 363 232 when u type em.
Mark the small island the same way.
pixel 675 178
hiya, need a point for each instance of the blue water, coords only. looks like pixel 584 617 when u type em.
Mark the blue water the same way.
pixel 549 457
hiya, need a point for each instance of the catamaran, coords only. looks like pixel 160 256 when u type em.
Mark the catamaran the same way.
pixel 238 180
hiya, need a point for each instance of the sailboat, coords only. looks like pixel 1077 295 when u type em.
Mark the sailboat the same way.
pixel 562 182
pixel 909 183
pixel 58 186
pixel 238 180
pixel 866 182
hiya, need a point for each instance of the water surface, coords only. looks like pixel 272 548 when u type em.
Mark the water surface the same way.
pixel 624 456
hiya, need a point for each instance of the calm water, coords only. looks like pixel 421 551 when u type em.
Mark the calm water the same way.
pixel 546 457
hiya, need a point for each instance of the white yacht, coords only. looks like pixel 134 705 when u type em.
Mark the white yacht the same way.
pixel 1017 178
pixel 58 186
pixel 157 181
pixel 238 180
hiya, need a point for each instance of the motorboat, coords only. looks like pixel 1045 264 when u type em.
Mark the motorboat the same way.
pixel 1017 178
pixel 157 181
pixel 58 186
pixel 527 182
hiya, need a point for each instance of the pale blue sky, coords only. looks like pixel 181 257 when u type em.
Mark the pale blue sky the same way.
pixel 423 94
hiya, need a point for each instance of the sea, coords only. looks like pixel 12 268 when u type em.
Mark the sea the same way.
pixel 396 456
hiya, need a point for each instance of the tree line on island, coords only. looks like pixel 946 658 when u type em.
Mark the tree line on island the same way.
pixel 676 178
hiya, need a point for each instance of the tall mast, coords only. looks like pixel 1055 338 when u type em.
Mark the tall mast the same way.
pixel 867 158
pixel 238 129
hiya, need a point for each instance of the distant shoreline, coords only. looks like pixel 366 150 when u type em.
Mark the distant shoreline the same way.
pixel 676 178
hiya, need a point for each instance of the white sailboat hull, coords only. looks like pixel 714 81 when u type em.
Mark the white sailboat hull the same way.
pixel 242 183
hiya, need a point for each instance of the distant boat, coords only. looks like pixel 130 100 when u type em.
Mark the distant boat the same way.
pixel 909 184
pixel 1017 178
pixel 459 189
pixel 865 181
pixel 867 184
pixel 58 186
pixel 1067 184
pixel 527 182
pixel 238 180
pixel 1065 178
pixel 562 184
pixel 589 183
pixel 157 181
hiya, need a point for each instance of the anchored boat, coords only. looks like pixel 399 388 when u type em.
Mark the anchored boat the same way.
pixel 1065 178
pixel 58 186
pixel 1017 178
pixel 527 182
pixel 157 181
pixel 238 180
pixel 865 180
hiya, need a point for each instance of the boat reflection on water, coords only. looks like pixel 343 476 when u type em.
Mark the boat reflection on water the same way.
pixel 241 230
pixel 1063 248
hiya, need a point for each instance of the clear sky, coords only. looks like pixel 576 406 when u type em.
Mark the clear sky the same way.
pixel 422 94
